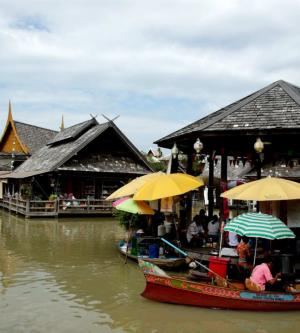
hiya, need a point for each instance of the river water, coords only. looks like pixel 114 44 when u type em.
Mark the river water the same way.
pixel 67 276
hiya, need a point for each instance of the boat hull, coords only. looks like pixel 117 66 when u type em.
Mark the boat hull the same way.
pixel 177 291
pixel 164 263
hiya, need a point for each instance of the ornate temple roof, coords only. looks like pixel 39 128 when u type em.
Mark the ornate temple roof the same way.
pixel 21 138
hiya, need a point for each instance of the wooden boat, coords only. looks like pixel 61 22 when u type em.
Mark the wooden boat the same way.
pixel 178 290
pixel 172 263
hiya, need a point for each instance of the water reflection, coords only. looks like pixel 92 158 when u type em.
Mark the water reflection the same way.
pixel 67 276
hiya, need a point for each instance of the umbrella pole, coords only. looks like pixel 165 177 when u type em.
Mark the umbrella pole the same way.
pixel 221 243
pixel 126 255
pixel 254 258
pixel 129 237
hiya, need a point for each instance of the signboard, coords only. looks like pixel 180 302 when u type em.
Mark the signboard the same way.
pixel 267 297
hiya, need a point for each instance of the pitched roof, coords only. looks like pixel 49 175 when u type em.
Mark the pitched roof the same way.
pixel 280 169
pixel 72 132
pixel 276 106
pixel 33 137
pixel 108 164
pixel 57 154
pixel 234 171
pixel 50 157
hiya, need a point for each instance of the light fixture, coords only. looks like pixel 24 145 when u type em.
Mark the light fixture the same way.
pixel 259 145
pixel 174 151
pixel 198 146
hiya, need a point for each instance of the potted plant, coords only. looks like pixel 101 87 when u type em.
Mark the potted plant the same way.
pixel 25 191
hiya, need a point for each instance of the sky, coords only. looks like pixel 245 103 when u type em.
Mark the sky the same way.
pixel 159 64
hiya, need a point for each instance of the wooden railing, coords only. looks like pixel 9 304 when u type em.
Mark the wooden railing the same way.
pixel 57 207
pixel 81 206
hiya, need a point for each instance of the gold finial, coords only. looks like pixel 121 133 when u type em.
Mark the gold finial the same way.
pixel 9 110
pixel 62 125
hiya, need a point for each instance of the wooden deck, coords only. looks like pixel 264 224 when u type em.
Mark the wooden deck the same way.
pixel 43 208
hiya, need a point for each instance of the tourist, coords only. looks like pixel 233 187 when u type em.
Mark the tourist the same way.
pixel 195 232
pixel 233 240
pixel 213 229
pixel 203 219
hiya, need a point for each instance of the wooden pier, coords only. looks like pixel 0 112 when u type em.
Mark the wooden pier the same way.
pixel 44 208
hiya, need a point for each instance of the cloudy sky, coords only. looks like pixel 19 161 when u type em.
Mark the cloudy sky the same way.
pixel 159 64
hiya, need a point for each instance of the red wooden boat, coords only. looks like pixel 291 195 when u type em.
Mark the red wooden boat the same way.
pixel 177 290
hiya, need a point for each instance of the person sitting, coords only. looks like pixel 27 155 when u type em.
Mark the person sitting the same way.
pixel 244 252
pixel 195 232
pixel 233 240
pixel 203 219
pixel 213 229
pixel 140 233
pixel 263 279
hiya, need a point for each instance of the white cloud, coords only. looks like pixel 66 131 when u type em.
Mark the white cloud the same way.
pixel 155 60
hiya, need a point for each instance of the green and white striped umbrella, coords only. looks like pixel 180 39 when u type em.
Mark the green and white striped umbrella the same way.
pixel 259 225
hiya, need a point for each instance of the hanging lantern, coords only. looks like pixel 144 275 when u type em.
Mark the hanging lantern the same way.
pixel 198 146
pixel 259 145
pixel 174 151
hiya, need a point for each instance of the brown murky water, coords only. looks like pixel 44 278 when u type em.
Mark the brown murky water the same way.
pixel 67 276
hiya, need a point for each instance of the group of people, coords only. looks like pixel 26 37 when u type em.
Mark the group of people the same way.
pixel 258 278
pixel 202 229
pixel 262 276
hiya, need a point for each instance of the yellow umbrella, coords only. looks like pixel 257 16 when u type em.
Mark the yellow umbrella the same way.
pixel 265 189
pixel 167 185
pixel 130 188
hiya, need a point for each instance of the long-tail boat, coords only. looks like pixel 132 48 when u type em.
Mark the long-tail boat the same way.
pixel 167 263
pixel 178 290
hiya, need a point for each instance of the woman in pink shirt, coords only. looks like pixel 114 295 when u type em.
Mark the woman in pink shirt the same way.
pixel 262 276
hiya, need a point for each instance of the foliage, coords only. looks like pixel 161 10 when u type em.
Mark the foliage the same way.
pixel 128 220
pixel 157 166
pixel 52 197
pixel 26 190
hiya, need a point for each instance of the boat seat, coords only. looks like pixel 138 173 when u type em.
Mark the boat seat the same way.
pixel 252 286
pixel 198 276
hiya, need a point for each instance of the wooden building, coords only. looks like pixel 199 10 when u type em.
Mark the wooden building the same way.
pixel 75 171
pixel 271 114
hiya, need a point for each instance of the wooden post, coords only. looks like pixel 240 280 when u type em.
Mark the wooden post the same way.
pixel 258 175
pixel 189 170
pixel 174 166
pixel 211 185
pixel 223 183
pixel 27 207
